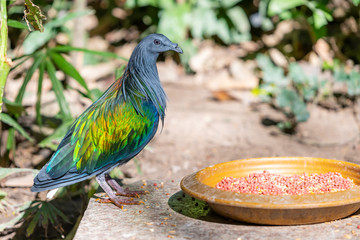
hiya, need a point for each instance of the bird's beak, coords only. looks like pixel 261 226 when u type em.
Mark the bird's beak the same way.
pixel 176 48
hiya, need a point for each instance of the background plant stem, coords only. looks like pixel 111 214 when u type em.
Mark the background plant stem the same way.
pixel 5 63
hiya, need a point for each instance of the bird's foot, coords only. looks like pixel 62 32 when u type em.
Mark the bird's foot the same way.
pixel 128 193
pixel 119 202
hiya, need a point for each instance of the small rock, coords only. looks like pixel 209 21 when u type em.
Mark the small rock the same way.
pixel 119 13
pixel 283 28
pixel 314 59
pixel 23 180
pixel 62 38
pixel 98 43
pixel 322 48
pixel 90 21
pixel 278 58
pixel 241 72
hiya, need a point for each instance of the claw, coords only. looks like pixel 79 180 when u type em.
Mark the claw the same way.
pixel 129 193
pixel 119 202
pixel 112 188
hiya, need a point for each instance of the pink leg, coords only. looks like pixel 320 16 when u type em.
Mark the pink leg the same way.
pixel 112 196
pixel 120 190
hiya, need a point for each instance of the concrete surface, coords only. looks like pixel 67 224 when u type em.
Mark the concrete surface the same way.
pixel 167 213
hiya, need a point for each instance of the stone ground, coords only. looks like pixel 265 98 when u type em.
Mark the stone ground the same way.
pixel 167 214
pixel 199 132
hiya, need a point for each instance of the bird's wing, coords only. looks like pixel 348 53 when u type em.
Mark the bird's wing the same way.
pixel 109 132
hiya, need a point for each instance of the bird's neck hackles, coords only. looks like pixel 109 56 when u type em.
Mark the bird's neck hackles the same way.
pixel 141 81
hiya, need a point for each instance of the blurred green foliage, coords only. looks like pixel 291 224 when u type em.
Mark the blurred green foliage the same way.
pixel 317 18
pixel 290 93
pixel 350 78
pixel 43 213
pixel 200 19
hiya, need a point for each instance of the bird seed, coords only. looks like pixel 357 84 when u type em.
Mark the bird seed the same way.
pixel 267 183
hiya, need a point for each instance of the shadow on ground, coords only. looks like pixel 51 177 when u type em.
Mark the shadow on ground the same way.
pixel 194 208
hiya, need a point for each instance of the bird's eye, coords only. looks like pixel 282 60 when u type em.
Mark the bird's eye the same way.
pixel 157 42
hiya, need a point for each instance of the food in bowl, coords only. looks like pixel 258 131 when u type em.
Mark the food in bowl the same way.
pixel 268 183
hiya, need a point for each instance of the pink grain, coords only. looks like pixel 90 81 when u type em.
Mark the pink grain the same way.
pixel 267 183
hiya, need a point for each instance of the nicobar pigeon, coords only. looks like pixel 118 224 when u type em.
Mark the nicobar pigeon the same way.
pixel 115 128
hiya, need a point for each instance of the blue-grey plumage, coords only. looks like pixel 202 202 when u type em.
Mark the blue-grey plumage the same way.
pixel 115 128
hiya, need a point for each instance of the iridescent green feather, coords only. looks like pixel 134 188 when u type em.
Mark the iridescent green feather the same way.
pixel 109 131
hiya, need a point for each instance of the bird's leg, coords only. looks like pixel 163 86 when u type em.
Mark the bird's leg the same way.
pixel 112 196
pixel 120 190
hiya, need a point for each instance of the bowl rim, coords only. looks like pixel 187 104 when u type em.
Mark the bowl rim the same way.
pixel 192 186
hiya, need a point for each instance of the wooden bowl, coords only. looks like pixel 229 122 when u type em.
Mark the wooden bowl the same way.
pixel 276 209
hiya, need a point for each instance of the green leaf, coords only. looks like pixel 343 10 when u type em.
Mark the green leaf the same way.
pixel 340 75
pixel 258 91
pixel 68 69
pixel 223 31
pixel 2 194
pixel 45 215
pixel 271 74
pixel 37 39
pixel 30 229
pixel 291 100
pixel 143 3
pixel 33 16
pixel 26 57
pixel 229 3
pixel 319 19
pixel 11 141
pixel 59 213
pixel 13 107
pixel 174 16
pixel 17 24
pixel 202 22
pixel 103 54
pixel 278 6
pixel 58 90
pixel 239 19
pixel 353 84
pixel 38 58
pixel 285 126
pixel 50 212
pixel 38 95
pixel 296 73
pixel 13 123
pixel 237 37
pixel 356 2
pixel 287 15
pixel 42 212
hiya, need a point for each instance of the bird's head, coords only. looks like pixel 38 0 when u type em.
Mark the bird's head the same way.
pixel 158 43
